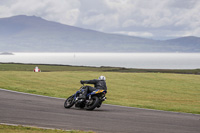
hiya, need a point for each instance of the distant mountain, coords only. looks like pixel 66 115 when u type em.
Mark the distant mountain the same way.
pixel 34 34
pixel 189 43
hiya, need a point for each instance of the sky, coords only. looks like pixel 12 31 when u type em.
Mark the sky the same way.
pixel 155 19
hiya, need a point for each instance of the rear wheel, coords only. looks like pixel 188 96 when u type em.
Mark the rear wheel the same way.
pixel 93 103
pixel 69 102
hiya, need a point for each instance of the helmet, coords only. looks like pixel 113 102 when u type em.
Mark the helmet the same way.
pixel 102 78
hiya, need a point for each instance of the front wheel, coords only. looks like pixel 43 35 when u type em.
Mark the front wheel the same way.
pixel 69 102
pixel 93 103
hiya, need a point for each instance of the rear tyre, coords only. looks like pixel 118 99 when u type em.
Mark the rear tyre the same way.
pixel 69 102
pixel 93 103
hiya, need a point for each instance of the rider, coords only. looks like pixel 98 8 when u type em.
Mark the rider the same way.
pixel 98 84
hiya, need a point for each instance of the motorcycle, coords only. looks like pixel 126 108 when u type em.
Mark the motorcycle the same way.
pixel 93 99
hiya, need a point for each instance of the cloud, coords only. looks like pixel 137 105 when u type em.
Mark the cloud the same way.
pixel 153 18
pixel 64 11
pixel 138 16
pixel 139 34
pixel 161 17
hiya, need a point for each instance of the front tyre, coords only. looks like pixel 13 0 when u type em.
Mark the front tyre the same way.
pixel 69 102
pixel 93 103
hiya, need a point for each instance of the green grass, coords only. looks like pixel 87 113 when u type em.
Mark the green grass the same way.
pixel 53 68
pixel 161 91
pixel 22 129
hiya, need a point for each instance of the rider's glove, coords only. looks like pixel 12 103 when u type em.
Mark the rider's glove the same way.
pixel 81 81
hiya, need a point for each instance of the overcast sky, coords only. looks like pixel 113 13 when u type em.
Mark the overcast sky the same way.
pixel 157 19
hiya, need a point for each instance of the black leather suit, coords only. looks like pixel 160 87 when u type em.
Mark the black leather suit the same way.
pixel 98 84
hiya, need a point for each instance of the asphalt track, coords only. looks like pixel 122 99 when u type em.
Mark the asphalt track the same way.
pixel 24 109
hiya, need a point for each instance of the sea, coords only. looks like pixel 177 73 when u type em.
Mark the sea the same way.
pixel 125 60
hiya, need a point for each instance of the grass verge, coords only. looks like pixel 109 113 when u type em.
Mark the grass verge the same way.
pixel 23 129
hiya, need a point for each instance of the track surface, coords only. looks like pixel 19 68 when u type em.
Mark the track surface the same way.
pixel 23 109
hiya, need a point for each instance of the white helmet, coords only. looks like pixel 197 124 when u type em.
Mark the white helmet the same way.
pixel 102 78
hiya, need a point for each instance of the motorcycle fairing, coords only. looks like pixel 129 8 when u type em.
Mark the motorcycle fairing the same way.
pixel 97 91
